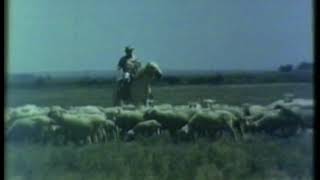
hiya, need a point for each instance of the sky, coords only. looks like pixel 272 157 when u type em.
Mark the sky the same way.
pixel 76 35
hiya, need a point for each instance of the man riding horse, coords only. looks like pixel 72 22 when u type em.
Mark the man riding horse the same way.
pixel 129 66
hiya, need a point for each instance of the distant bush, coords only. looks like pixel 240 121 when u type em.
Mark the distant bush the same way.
pixel 286 68
pixel 42 80
pixel 171 80
pixel 304 66
pixel 285 75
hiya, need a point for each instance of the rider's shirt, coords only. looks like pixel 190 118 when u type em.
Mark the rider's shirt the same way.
pixel 125 63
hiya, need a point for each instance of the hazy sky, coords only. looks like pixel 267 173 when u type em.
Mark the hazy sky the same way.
pixel 63 35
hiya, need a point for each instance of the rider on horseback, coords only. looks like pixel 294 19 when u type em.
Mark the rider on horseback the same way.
pixel 129 65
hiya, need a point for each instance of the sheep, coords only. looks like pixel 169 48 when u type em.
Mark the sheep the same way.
pixel 111 112
pixel 86 110
pixel 212 123
pixel 306 115
pixel 28 110
pixel 23 129
pixel 71 126
pixel 147 128
pixel 163 106
pixel 239 120
pixel 207 103
pixel 108 130
pixel 150 102
pixel 253 112
pixel 194 105
pixel 304 103
pixel 7 117
pixel 288 97
pixel 36 128
pixel 77 127
pixel 100 125
pixel 172 120
pixel 126 120
pixel 184 133
pixel 280 121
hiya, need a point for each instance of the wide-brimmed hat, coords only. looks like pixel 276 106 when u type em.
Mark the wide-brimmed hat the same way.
pixel 128 49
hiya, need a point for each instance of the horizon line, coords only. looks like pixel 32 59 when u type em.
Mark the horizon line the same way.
pixel 111 70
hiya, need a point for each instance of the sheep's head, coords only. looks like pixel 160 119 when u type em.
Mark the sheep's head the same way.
pixel 245 108
pixel 288 97
pixel 56 112
pixel 150 113
pixel 283 109
pixel 208 102
pixel 251 126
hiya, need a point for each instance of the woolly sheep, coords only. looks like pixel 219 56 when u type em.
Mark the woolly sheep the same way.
pixel 30 128
pixel 163 106
pixel 108 130
pixel 27 110
pixel 147 128
pixel 238 112
pixel 23 129
pixel 305 114
pixel 288 97
pixel 111 112
pixel 280 121
pixel 126 120
pixel 86 110
pixel 207 103
pixel 303 103
pixel 212 122
pixel 184 133
pixel 253 112
pixel 77 127
pixel 194 105
pixel 171 120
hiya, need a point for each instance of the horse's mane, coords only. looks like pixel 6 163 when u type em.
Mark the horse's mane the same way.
pixel 142 69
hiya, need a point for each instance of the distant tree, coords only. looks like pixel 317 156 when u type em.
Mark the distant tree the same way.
pixel 217 79
pixel 41 80
pixel 305 66
pixel 285 68
pixel 48 77
pixel 172 80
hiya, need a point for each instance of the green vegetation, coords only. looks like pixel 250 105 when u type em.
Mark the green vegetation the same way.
pixel 159 158
pixel 301 74
pixel 100 95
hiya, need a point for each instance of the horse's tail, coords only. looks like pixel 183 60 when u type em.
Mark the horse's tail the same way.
pixel 115 94
pixel 116 97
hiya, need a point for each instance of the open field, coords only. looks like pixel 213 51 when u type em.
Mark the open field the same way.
pixel 160 158
pixel 180 94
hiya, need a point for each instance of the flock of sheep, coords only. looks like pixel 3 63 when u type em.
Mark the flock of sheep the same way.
pixel 93 124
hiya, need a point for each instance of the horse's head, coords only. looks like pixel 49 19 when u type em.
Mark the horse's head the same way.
pixel 153 70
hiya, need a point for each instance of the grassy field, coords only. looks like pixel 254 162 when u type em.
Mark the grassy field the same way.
pixel 159 158
pixel 101 95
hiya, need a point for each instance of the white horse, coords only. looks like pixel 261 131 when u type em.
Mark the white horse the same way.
pixel 139 90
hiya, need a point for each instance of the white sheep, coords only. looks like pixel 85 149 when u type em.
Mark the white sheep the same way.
pixel 35 128
pixel 147 128
pixel 86 110
pixel 212 123
pixel 207 103
pixel 78 127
